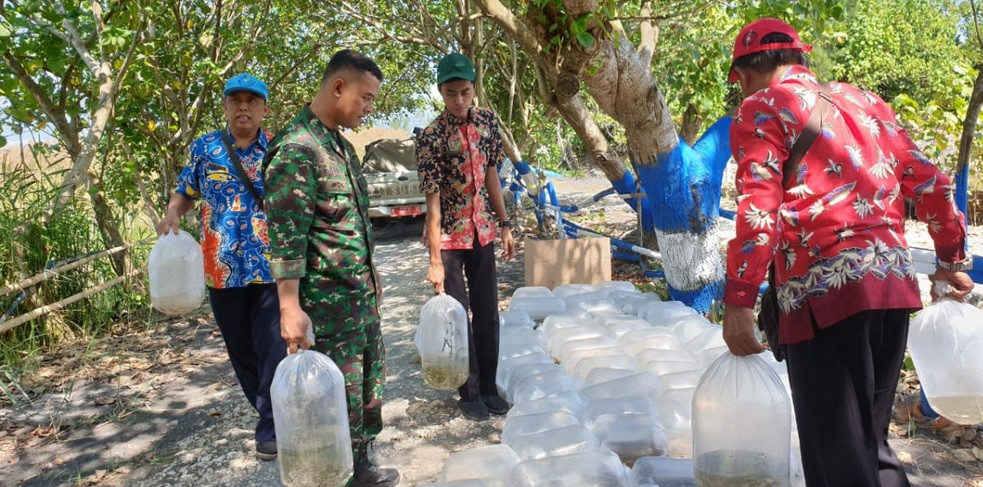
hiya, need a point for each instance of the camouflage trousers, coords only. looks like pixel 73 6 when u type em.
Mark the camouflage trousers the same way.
pixel 362 359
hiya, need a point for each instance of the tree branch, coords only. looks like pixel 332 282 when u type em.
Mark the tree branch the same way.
pixel 375 24
pixel 70 36
pixel 512 26
pixel 969 123
pixel 57 117
pixel 650 36
pixel 976 23
pixel 128 58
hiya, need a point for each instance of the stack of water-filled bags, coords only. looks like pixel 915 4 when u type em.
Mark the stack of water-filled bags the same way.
pixel 601 381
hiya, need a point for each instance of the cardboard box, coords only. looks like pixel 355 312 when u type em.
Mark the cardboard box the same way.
pixel 551 263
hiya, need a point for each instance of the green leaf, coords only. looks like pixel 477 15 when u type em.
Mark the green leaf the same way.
pixel 3 141
pixel 585 39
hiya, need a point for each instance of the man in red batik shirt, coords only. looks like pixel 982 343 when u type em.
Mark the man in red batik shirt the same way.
pixel 834 230
pixel 458 156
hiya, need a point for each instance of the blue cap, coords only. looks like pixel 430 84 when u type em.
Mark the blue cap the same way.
pixel 246 82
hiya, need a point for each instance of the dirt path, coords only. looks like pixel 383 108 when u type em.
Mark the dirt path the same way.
pixel 162 407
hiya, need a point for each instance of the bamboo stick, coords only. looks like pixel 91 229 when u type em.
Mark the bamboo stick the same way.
pixel 47 273
pixel 43 310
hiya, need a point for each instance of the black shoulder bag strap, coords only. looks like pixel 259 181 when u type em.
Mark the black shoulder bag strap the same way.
pixel 808 136
pixel 241 171
pixel 768 317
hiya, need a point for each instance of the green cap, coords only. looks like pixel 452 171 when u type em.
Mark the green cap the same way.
pixel 455 66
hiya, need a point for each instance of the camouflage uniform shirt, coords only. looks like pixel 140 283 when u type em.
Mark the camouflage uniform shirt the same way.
pixel 317 208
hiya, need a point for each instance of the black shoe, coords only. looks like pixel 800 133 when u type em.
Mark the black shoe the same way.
pixel 266 450
pixel 369 475
pixel 495 404
pixel 473 409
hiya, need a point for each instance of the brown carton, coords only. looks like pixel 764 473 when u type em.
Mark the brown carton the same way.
pixel 551 263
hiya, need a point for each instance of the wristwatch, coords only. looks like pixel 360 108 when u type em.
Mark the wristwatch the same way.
pixel 505 224
pixel 959 266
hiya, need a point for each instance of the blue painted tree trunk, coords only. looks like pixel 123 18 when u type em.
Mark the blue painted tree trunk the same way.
pixel 683 198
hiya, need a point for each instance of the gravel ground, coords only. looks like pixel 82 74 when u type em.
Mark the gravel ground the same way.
pixel 184 421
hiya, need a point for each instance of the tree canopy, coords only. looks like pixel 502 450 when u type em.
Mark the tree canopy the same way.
pixel 124 87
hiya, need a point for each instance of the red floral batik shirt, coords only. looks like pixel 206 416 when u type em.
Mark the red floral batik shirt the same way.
pixel 453 156
pixel 836 230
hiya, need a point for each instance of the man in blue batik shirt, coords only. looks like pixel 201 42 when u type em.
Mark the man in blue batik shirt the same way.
pixel 235 244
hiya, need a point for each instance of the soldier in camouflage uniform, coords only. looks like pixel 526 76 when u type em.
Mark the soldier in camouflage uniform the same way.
pixel 321 246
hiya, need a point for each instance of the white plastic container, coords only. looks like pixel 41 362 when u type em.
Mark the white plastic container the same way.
pixel 506 367
pixel 559 337
pixel 583 367
pixel 621 405
pixel 554 323
pixel 538 307
pixel 573 299
pixel 631 436
pixel 652 342
pixel 689 327
pixel 637 384
pixel 310 412
pixel 531 292
pixel 664 313
pixel 177 274
pixel 670 472
pixel 559 441
pixel 542 384
pixel 485 463
pixel 595 306
pixel 604 374
pixel 517 339
pixel 442 340
pixel 565 290
pixel 660 367
pixel 535 423
pixel 600 468
pixel 624 286
pixel 571 359
pixel 459 483
pixel 568 401
pixel 515 318
pixel 630 304
pixel 586 344
pixel 518 374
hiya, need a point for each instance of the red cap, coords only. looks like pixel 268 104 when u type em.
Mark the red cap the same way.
pixel 749 40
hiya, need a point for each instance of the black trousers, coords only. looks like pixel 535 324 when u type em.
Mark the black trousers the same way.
pixel 843 386
pixel 480 295
pixel 249 318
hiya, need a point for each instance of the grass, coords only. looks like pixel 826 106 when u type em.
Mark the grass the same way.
pixel 40 241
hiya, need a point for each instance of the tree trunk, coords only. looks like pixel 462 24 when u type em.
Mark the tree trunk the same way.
pixel 601 155
pixel 675 177
pixel 90 143
pixel 678 180
pixel 111 236
pixel 691 124
pixel 966 141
